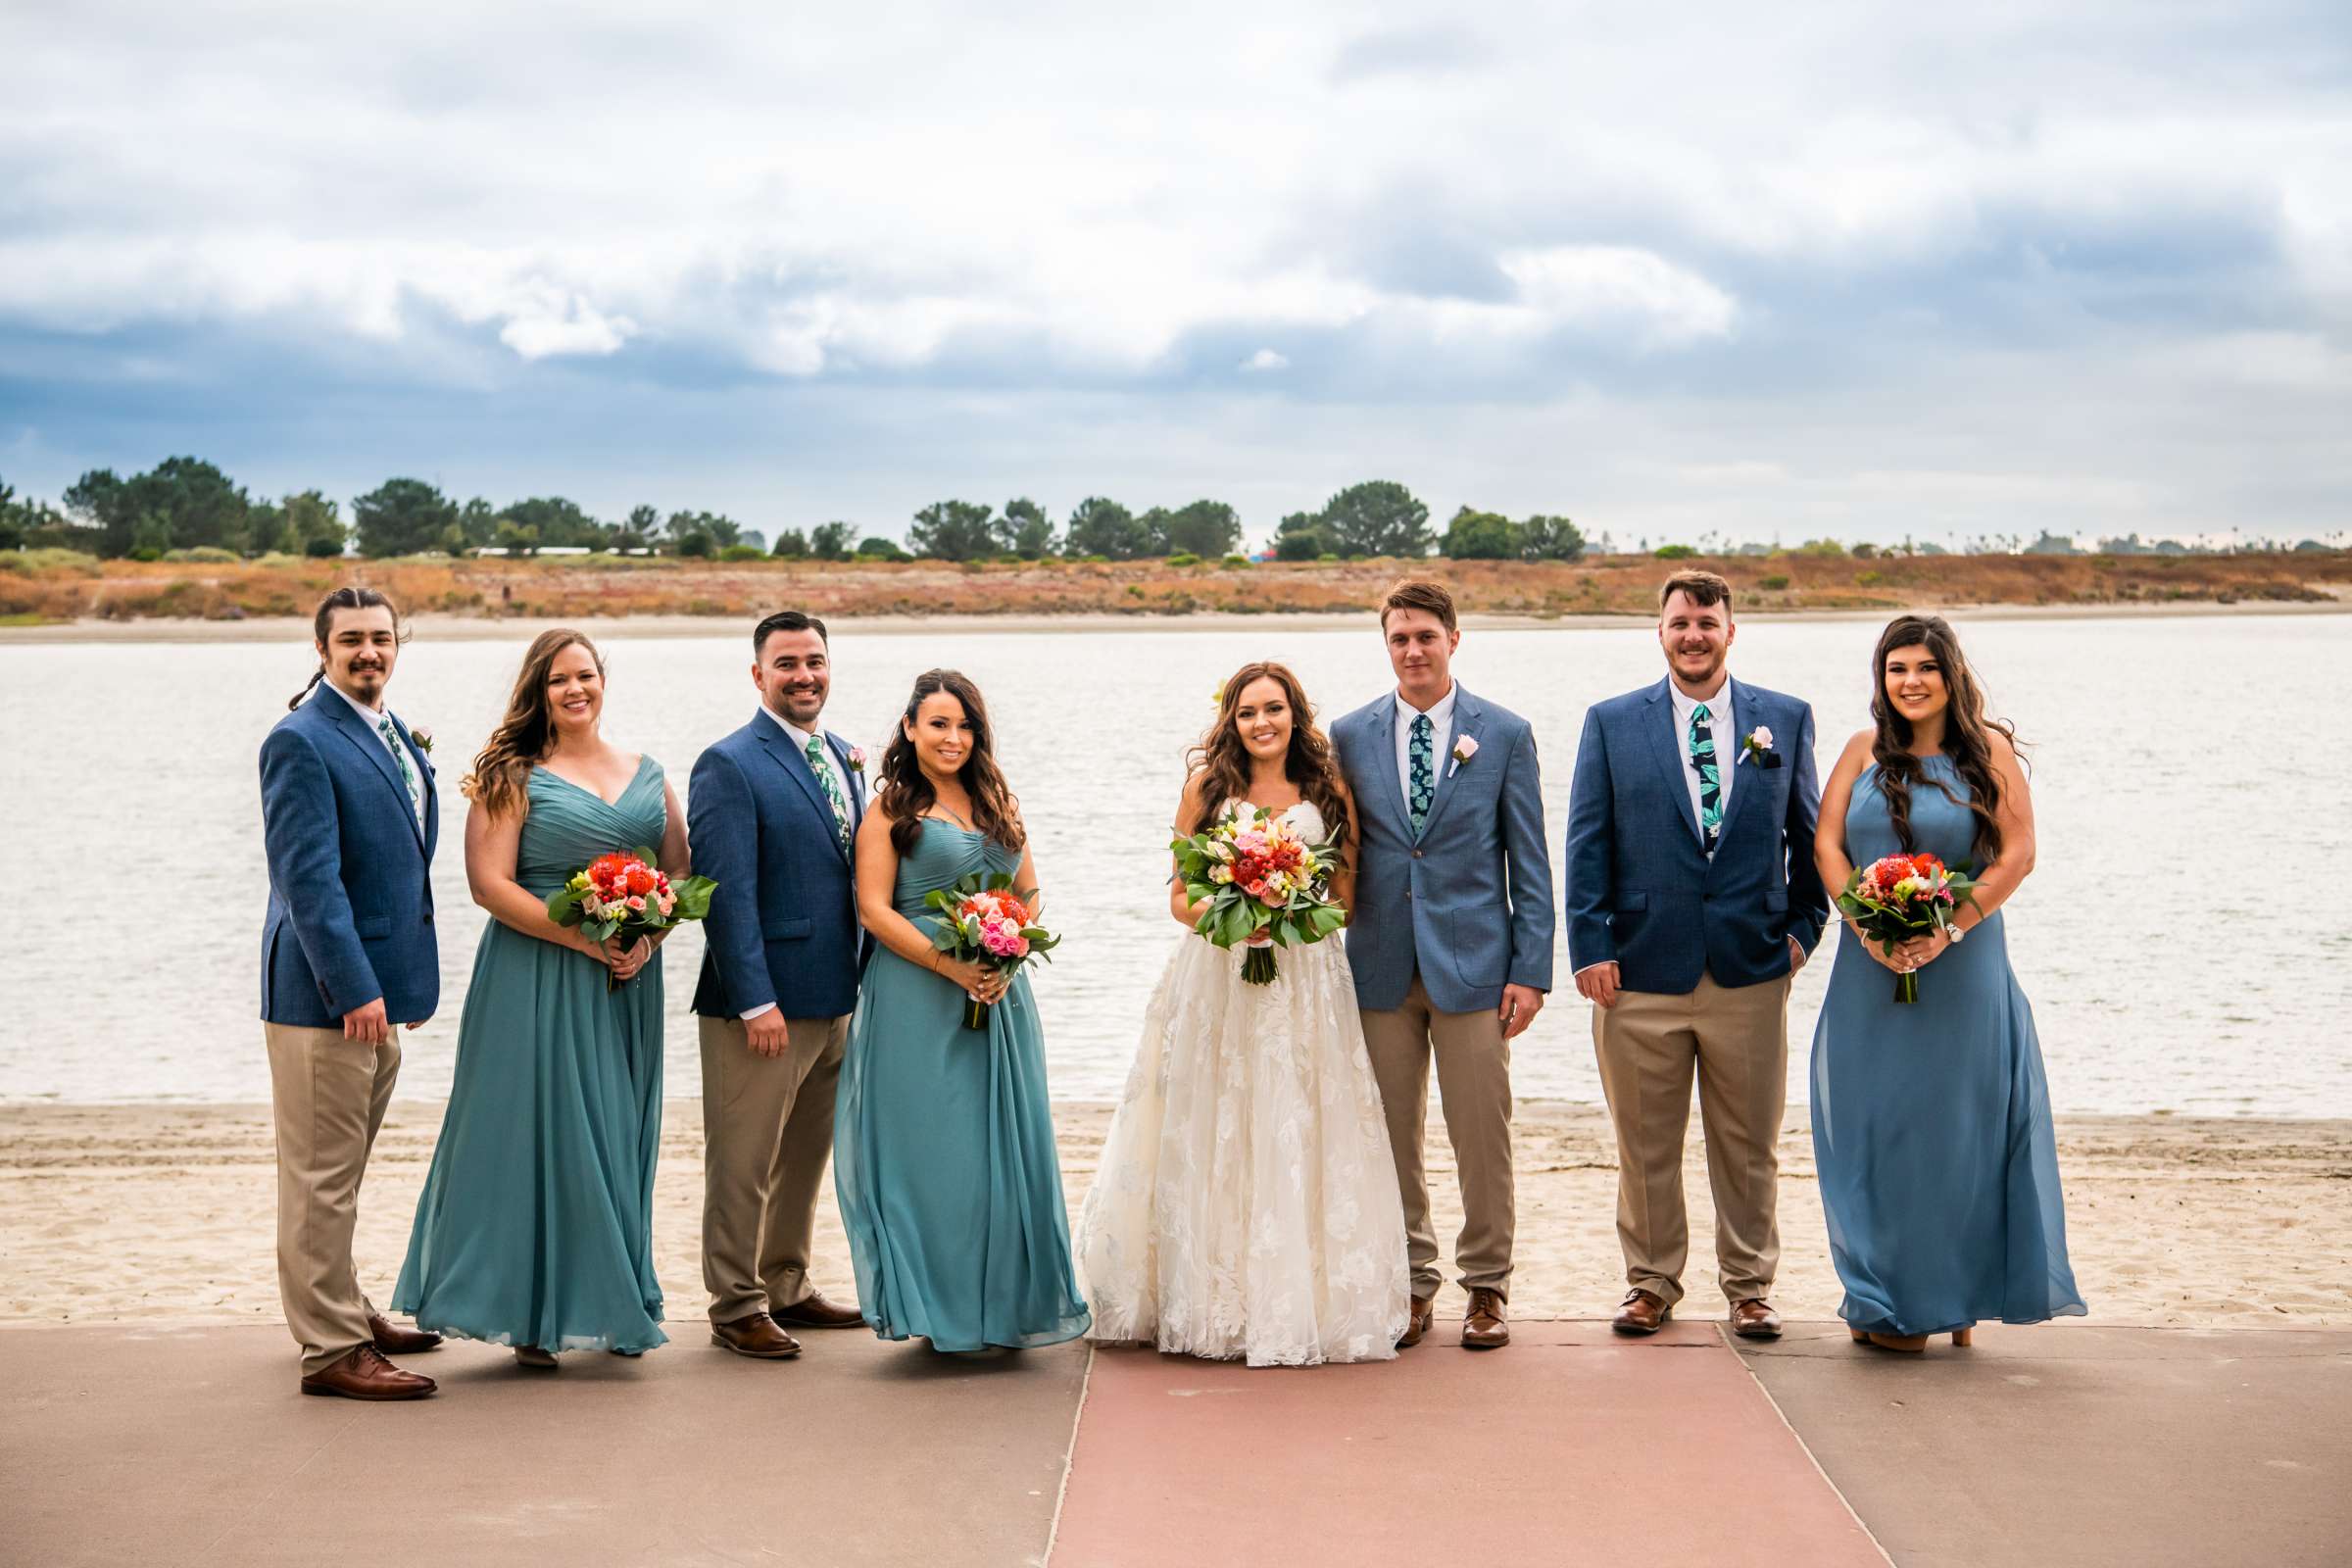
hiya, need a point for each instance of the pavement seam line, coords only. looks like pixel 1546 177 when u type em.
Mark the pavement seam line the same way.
pixel 350 1420
pixel 1069 1457
pixel 1806 1448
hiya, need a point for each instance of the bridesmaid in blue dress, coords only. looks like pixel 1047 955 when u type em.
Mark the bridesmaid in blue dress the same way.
pixel 1932 1121
pixel 943 1155
pixel 535 1227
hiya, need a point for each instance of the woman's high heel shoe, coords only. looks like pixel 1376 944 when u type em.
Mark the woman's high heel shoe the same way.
pixel 1909 1344
pixel 535 1358
pixel 1964 1337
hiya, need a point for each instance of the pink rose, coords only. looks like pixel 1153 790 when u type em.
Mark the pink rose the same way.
pixel 857 759
pixel 636 903
pixel 1465 746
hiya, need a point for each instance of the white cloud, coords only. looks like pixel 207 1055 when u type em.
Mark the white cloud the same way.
pixel 1266 360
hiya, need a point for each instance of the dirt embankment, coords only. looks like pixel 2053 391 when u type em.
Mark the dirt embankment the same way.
pixel 38 590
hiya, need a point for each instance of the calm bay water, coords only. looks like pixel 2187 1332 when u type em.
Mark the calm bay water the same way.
pixel 2177 769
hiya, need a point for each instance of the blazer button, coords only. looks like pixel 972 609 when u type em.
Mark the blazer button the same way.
pixel 428 918
pixel 1416 855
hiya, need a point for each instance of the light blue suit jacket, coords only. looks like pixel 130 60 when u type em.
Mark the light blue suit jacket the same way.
pixel 1467 902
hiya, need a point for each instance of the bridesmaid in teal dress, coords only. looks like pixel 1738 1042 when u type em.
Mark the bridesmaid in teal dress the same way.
pixel 943 1156
pixel 1931 1130
pixel 535 1227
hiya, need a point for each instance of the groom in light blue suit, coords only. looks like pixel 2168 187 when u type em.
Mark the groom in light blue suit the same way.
pixel 1451 938
pixel 771 816
pixel 1691 900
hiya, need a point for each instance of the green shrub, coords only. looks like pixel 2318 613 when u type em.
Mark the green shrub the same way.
pixel 322 549
pixel 1674 551
pixel 205 554
pixel 1233 561
pixel 1774 583
pixel 1868 579
pixel 49 558
pixel 1327 556
pixel 1184 557
pixel 743 553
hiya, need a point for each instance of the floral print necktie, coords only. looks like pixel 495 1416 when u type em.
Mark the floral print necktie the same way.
pixel 1710 782
pixel 824 777
pixel 1421 764
pixel 400 758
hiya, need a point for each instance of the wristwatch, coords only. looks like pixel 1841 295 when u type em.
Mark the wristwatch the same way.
pixel 1955 933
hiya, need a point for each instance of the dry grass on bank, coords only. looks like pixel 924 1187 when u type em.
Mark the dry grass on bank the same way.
pixel 52 586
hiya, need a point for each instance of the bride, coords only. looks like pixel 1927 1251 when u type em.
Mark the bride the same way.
pixel 1247 1206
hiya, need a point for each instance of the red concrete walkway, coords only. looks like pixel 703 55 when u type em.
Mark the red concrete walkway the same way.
pixel 1574 1445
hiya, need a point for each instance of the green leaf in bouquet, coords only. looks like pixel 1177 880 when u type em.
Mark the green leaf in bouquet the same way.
pixel 692 898
pixel 564 907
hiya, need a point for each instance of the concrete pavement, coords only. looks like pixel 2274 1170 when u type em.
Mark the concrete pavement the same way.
pixel 2065 1444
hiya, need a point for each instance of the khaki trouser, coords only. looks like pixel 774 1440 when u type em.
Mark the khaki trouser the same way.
pixel 1474 1086
pixel 1737 1039
pixel 328 1095
pixel 767 1131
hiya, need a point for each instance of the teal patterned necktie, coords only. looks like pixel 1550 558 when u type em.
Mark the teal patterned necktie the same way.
pixel 1421 764
pixel 824 777
pixel 400 756
pixel 1710 782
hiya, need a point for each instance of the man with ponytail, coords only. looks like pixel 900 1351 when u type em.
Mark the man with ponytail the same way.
pixel 349 822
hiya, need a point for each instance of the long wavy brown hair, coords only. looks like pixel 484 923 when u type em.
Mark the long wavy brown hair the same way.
pixel 906 792
pixel 1221 763
pixel 1967 731
pixel 502 772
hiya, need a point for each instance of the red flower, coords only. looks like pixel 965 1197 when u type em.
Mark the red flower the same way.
pixel 641 881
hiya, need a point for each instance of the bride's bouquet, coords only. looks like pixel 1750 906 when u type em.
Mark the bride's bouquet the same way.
pixel 1902 897
pixel 1266 887
pixel 984 920
pixel 627 896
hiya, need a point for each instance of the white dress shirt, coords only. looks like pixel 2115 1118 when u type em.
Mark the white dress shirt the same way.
pixel 412 779
pixel 1726 742
pixel 800 739
pixel 1440 725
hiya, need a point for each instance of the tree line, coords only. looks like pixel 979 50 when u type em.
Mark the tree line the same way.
pixel 187 504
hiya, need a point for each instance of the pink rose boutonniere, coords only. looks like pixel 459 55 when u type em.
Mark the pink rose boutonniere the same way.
pixel 1758 745
pixel 857 759
pixel 1464 749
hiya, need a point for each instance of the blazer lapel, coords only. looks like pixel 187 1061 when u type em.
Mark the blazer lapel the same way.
pixel 796 768
pixel 424 783
pixel 1383 720
pixel 1666 749
pixel 1466 712
pixel 1748 778
pixel 370 743
pixel 841 754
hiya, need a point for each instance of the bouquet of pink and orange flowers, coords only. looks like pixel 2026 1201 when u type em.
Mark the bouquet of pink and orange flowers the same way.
pixel 1902 897
pixel 1265 886
pixel 984 920
pixel 627 896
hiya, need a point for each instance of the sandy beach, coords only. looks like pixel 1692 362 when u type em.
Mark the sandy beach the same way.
pixel 150 1213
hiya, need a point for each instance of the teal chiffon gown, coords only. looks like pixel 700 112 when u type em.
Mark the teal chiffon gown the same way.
pixel 535 1226
pixel 942 1144
pixel 1931 1131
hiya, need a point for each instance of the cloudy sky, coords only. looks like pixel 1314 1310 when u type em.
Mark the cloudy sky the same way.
pixel 1859 270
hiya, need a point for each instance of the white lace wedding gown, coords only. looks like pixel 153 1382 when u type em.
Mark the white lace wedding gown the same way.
pixel 1246 1206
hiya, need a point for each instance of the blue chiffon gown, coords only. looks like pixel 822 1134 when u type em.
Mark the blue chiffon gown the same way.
pixel 1932 1121
pixel 535 1226
pixel 942 1144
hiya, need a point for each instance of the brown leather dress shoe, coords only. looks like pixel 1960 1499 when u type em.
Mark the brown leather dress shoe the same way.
pixel 1643 1312
pixel 813 1311
pixel 757 1336
pixel 393 1339
pixel 365 1374
pixel 1416 1323
pixel 1483 1326
pixel 1754 1319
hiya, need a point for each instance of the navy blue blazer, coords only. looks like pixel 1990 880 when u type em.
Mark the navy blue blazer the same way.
pixel 351 893
pixel 1468 901
pixel 1641 888
pixel 783 922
